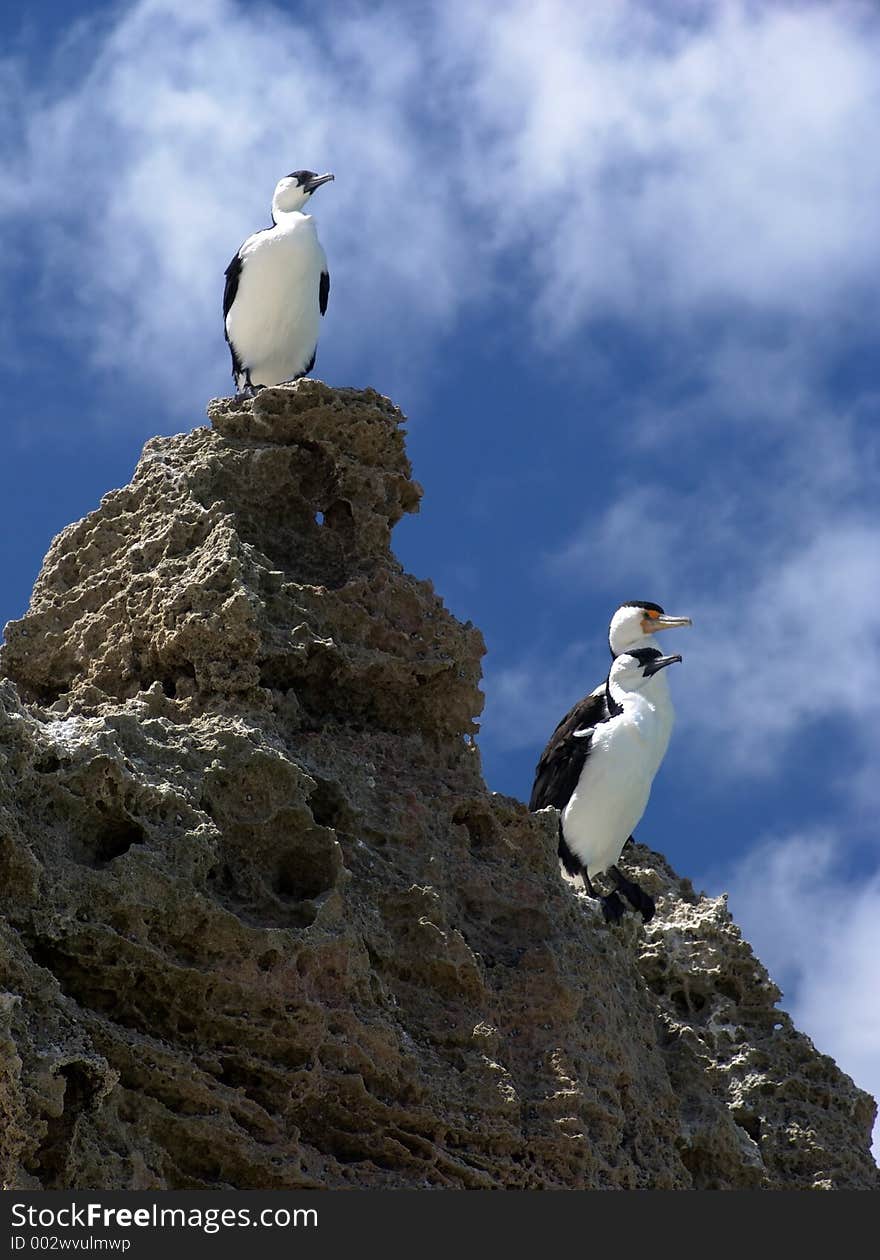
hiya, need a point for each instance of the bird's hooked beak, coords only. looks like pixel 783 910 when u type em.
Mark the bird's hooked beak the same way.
pixel 665 622
pixel 654 667
pixel 317 180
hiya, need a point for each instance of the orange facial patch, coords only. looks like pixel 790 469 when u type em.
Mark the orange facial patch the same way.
pixel 652 613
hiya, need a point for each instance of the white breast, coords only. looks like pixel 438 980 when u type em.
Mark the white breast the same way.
pixel 274 321
pixel 615 783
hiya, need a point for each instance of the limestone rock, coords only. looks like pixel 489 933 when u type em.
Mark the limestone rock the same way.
pixel 263 926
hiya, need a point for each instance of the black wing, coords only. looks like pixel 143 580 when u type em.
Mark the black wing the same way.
pixel 559 769
pixel 324 291
pixel 233 271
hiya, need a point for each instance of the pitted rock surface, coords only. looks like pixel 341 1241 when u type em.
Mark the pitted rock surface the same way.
pixel 263 925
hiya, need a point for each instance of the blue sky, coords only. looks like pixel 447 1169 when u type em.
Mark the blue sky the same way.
pixel 618 263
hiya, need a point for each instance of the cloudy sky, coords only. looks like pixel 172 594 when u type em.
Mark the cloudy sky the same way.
pixel 618 262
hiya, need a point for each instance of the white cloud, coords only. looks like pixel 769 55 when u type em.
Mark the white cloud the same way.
pixel 818 932
pixel 802 645
pixel 619 157
pixel 669 164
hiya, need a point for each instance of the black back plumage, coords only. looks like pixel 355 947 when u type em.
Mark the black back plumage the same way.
pixel 561 763
pixel 558 771
pixel 232 273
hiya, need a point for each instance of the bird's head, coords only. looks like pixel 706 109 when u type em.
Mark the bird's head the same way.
pixel 632 671
pixel 292 192
pixel 634 623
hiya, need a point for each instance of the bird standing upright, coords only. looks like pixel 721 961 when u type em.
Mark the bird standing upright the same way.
pixel 277 288
pixel 599 775
pixel 632 626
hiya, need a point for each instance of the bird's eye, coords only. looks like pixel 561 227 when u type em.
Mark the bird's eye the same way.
pixel 652 613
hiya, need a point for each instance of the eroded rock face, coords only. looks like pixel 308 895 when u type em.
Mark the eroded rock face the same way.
pixel 264 926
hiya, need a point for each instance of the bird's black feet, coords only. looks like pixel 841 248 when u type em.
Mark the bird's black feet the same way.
pixel 636 896
pixel 612 908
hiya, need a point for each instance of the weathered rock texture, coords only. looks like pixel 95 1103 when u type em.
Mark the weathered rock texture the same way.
pixel 264 926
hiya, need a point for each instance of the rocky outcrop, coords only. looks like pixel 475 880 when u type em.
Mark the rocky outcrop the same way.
pixel 263 924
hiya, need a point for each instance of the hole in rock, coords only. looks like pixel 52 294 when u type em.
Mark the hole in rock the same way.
pixel 269 960
pixel 751 1124
pixel 729 987
pixel 339 515
pixel 113 838
pixel 178 683
pixel 479 826
pixel 319 518
pixel 329 807
pixel 80 1087
pixel 306 872
pixel 341 519
pixel 222 877
pixel 678 997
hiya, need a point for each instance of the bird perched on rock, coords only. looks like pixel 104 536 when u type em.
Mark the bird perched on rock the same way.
pixel 277 287
pixel 598 769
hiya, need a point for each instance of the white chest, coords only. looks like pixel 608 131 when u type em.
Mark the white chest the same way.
pixel 278 262
pixel 274 321
pixel 615 783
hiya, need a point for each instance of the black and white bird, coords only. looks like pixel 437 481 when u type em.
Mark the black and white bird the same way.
pixel 598 768
pixel 277 288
